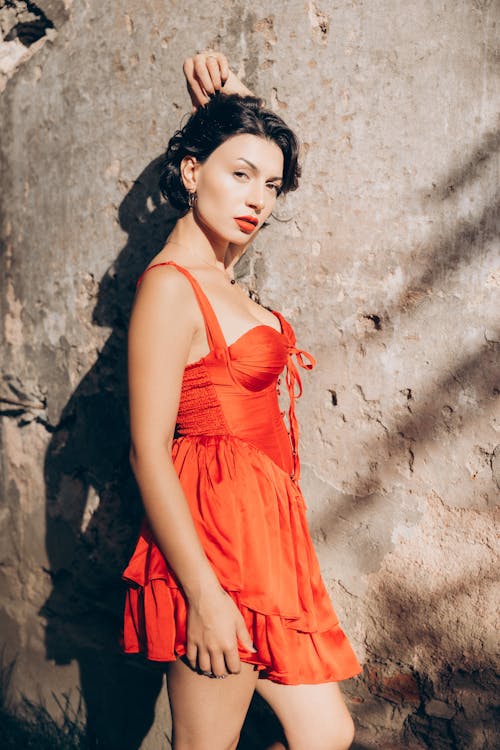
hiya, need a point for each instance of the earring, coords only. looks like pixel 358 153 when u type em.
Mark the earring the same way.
pixel 191 198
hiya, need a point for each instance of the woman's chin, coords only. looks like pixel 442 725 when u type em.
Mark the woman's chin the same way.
pixel 242 238
pixel 241 241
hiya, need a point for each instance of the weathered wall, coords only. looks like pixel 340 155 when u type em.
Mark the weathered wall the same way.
pixel 387 263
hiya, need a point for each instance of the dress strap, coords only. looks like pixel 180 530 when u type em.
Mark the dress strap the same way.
pixel 292 380
pixel 215 336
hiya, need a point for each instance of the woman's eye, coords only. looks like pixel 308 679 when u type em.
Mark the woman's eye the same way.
pixel 241 175
pixel 273 186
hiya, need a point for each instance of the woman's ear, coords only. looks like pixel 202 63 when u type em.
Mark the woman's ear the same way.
pixel 189 173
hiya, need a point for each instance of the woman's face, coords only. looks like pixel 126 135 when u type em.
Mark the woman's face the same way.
pixel 237 187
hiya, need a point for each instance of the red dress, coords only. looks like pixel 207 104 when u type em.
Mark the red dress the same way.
pixel 239 469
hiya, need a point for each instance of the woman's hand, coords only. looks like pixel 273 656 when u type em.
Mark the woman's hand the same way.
pixel 214 627
pixel 207 73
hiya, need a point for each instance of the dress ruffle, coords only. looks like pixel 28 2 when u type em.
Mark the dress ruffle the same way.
pixel 318 657
pixel 251 519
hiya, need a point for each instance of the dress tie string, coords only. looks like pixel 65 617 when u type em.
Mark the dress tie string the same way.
pixel 292 379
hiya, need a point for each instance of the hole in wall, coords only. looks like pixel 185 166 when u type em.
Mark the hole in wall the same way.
pixel 24 29
pixel 375 320
pixel 23 20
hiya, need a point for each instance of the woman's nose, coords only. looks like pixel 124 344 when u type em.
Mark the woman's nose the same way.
pixel 256 199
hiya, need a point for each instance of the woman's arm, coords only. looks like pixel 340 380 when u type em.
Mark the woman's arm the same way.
pixel 158 348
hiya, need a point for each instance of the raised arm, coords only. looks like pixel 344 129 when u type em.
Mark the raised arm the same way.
pixel 158 349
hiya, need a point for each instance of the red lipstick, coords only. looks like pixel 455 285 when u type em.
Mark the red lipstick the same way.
pixel 247 224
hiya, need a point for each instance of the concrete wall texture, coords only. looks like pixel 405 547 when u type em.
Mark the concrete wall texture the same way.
pixel 387 263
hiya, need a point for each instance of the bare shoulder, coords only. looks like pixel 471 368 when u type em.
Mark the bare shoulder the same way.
pixel 165 288
pixel 164 278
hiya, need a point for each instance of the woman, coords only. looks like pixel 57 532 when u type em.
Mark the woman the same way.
pixel 240 604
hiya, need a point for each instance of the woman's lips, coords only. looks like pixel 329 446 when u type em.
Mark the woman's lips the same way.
pixel 246 224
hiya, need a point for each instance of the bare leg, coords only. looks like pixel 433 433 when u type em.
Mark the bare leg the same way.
pixel 314 717
pixel 208 714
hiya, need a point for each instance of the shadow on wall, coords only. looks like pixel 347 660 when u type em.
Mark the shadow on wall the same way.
pixel 456 708
pixel 459 709
pixel 93 509
pixel 93 506
pixel 426 420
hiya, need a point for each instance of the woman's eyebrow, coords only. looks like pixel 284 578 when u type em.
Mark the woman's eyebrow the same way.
pixel 255 169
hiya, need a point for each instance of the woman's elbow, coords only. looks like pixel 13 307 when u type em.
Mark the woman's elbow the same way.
pixel 143 455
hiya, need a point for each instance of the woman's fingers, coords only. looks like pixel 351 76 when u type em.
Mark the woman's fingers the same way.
pixel 213 69
pixel 244 636
pixel 205 74
pixel 204 662
pixel 214 662
pixel 202 73
pixel 223 67
pixel 198 96
pixel 218 664
pixel 232 660
pixel 215 625
pixel 192 654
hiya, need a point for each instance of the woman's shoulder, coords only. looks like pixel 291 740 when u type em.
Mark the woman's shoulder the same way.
pixel 164 291
pixel 164 275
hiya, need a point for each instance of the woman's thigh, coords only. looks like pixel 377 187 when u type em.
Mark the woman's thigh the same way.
pixel 207 714
pixel 313 717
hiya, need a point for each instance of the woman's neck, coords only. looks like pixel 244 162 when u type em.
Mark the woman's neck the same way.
pixel 188 233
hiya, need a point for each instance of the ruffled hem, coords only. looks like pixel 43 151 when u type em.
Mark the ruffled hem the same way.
pixel 251 520
pixel 155 625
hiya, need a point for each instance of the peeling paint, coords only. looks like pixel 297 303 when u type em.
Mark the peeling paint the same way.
pixel 24 29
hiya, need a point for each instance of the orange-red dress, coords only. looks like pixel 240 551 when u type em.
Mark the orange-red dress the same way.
pixel 239 469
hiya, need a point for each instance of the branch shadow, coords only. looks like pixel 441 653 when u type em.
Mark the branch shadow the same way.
pixel 435 417
pixel 487 148
pixel 452 252
pixel 447 252
pixel 476 370
pixel 404 619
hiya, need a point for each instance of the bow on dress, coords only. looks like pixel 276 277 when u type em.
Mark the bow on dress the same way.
pixel 292 379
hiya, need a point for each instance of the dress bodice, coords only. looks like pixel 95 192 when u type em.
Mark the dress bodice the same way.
pixel 234 388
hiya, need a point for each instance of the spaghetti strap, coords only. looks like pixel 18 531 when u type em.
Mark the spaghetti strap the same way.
pixel 215 336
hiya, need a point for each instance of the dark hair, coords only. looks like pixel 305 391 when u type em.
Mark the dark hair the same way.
pixel 224 116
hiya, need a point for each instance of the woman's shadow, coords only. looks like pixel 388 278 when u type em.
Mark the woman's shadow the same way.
pixel 93 510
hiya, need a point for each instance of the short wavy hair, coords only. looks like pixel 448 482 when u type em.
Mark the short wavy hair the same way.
pixel 224 116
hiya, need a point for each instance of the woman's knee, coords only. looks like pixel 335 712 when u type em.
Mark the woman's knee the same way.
pixel 345 736
pixel 334 736
pixel 313 717
pixel 188 743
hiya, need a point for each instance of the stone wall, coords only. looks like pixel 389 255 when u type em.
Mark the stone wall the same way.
pixel 386 261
